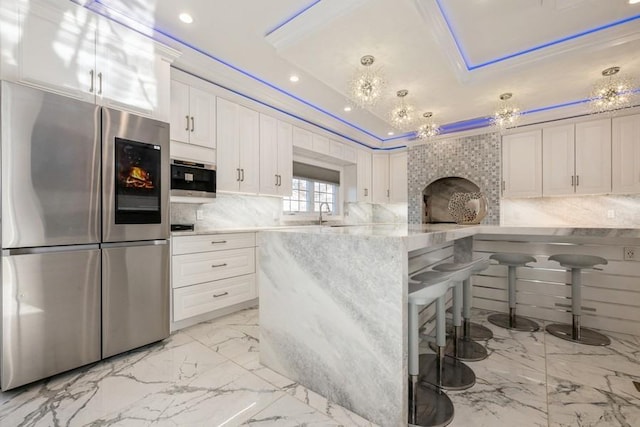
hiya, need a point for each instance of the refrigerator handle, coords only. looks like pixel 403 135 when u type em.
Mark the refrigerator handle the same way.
pixel 131 244
pixel 48 249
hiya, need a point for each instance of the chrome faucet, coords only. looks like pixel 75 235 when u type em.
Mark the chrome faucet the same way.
pixel 328 211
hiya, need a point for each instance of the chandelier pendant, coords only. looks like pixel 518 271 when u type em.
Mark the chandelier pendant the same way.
pixel 507 114
pixel 401 115
pixel 428 129
pixel 366 86
pixel 612 93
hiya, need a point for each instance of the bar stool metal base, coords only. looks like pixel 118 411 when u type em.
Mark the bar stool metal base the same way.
pixel 455 374
pixel 519 323
pixel 433 407
pixel 468 350
pixel 587 336
pixel 477 332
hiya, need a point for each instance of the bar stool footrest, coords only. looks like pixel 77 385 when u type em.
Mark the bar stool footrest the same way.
pixel 587 336
pixel 522 324
pixel 455 374
pixel 468 350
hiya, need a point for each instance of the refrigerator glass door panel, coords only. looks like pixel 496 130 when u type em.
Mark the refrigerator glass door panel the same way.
pixel 135 295
pixel 135 157
pixel 138 188
pixel 50 312
pixel 50 169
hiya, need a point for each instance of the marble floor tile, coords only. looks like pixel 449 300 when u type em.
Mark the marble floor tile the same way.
pixel 572 404
pixel 290 412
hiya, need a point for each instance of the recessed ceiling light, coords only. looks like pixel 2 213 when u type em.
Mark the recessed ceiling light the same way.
pixel 347 108
pixel 634 1
pixel 294 79
pixel 390 133
pixel 186 18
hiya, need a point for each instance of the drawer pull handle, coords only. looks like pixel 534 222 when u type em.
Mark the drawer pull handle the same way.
pixel 220 295
pixel 219 265
pixel 213 242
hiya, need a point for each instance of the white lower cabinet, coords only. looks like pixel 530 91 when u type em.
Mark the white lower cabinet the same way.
pixel 211 272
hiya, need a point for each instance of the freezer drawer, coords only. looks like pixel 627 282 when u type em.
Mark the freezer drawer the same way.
pixel 135 295
pixel 50 313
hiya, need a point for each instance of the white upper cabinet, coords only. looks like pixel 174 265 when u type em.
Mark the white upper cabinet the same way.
pixel 363 177
pixel 577 158
pixel 302 138
pixel 276 158
pixel 522 164
pixel 64 48
pixel 593 157
pixel 193 115
pixel 558 170
pixel 238 150
pixel 380 178
pixel 625 150
pixel 398 185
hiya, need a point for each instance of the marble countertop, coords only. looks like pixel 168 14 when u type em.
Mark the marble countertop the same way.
pixel 424 235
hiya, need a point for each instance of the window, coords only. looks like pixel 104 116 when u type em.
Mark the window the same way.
pixel 307 195
pixel 312 186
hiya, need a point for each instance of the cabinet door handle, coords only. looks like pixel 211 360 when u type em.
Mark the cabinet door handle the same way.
pixel 388 193
pixel 242 175
pixel 276 179
pixel 573 180
pixel 577 180
pixel 187 128
pixel 279 180
pixel 193 124
pixel 220 295
pixel 215 242
pixel 91 75
pixel 366 192
pixel 218 265
pixel 238 177
pixel 99 83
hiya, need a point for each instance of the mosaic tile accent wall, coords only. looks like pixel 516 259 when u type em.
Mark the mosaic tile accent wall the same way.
pixel 476 158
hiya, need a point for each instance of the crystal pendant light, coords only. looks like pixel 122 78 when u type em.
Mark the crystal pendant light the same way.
pixel 611 93
pixel 366 85
pixel 428 129
pixel 506 115
pixel 402 115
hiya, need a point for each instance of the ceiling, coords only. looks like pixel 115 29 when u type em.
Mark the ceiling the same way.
pixel 455 57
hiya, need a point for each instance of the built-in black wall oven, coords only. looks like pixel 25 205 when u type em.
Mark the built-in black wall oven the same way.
pixel 193 179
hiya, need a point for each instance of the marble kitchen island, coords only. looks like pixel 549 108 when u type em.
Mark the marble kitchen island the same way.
pixel 333 305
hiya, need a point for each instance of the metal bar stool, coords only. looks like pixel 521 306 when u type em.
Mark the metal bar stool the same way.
pixel 575 332
pixel 428 405
pixel 439 370
pixel 512 320
pixel 460 344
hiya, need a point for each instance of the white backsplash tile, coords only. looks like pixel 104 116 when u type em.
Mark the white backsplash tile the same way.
pixel 587 211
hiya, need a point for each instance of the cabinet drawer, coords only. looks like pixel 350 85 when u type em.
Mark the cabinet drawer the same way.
pixel 206 297
pixel 191 269
pixel 212 242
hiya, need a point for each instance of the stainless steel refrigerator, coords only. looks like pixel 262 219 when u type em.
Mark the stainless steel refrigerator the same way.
pixel 85 224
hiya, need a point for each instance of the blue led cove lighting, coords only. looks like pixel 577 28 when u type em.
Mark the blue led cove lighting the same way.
pixel 471 67
pixel 292 17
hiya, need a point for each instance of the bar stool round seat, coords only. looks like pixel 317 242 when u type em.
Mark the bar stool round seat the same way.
pixel 438 369
pixel 512 320
pixel 575 332
pixel 460 343
pixel 429 406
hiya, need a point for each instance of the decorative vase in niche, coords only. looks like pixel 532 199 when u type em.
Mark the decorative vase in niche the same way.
pixel 468 208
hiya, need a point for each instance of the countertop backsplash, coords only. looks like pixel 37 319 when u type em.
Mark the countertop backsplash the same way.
pixel 577 211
